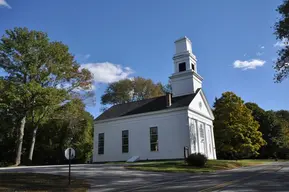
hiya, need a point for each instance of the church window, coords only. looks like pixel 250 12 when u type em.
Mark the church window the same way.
pixel 193 67
pixel 125 141
pixel 101 143
pixel 202 133
pixel 193 135
pixel 154 139
pixel 182 67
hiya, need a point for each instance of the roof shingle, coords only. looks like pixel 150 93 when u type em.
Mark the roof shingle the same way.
pixel 145 106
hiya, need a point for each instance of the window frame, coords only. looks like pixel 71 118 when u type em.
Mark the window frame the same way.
pixel 182 67
pixel 154 144
pixel 194 127
pixel 202 131
pixel 100 149
pixel 125 145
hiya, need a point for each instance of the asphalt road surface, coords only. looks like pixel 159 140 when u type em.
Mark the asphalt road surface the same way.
pixel 108 178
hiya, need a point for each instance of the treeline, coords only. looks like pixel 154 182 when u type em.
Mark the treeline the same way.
pixel 244 130
pixel 69 126
pixel 42 95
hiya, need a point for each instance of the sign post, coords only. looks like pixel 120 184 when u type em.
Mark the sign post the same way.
pixel 69 154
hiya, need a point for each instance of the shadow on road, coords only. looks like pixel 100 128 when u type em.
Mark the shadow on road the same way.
pixel 273 177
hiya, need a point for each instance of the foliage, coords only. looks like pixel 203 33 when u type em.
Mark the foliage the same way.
pixel 283 136
pixel 236 132
pixel 274 128
pixel 60 132
pixel 53 137
pixel 39 74
pixel 282 34
pixel 197 159
pixel 128 90
pixel 167 88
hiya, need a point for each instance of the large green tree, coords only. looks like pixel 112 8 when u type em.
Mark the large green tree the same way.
pixel 274 128
pixel 236 132
pixel 269 126
pixel 134 89
pixel 283 139
pixel 36 67
pixel 69 126
pixel 282 34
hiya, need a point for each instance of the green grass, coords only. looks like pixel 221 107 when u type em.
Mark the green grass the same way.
pixel 180 166
pixel 39 182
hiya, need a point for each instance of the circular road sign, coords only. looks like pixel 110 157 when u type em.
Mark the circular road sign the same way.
pixel 72 153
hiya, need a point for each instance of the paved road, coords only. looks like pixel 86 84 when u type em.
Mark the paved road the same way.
pixel 108 178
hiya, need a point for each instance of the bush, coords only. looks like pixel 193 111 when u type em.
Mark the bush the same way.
pixel 197 159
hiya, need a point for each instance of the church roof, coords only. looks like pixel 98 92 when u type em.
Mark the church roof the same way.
pixel 145 106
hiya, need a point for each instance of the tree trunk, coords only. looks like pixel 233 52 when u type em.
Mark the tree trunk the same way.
pixel 33 143
pixel 20 141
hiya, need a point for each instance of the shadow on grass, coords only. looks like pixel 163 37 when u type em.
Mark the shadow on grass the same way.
pixel 36 181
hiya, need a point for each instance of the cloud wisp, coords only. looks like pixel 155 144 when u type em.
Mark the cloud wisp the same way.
pixel 82 58
pixel 281 43
pixel 250 64
pixel 107 72
pixel 5 4
pixel 259 53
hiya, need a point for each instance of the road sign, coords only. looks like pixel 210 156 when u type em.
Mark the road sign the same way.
pixel 72 153
pixel 69 154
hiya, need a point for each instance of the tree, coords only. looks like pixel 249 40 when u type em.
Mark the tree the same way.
pixel 270 128
pixel 128 90
pixel 50 100
pixel 283 140
pixel 167 88
pixel 284 114
pixel 69 126
pixel 236 131
pixel 118 92
pixel 36 66
pixel 8 131
pixel 274 128
pixel 282 34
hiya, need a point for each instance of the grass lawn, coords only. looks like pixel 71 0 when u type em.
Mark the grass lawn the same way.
pixel 180 166
pixel 39 182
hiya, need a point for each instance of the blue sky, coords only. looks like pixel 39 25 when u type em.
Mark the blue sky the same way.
pixel 119 39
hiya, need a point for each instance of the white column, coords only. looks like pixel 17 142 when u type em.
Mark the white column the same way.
pixel 210 143
pixel 197 131
pixel 190 138
pixel 213 142
pixel 205 140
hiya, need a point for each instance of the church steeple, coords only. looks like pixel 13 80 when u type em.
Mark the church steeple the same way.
pixel 185 79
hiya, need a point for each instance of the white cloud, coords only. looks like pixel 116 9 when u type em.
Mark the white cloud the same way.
pixel 262 47
pixel 250 64
pixel 5 4
pixel 259 53
pixel 107 72
pixel 282 43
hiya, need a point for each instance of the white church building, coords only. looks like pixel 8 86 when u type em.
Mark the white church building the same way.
pixel 160 128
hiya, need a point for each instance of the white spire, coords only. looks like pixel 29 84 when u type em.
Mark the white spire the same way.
pixel 185 79
pixel 183 45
